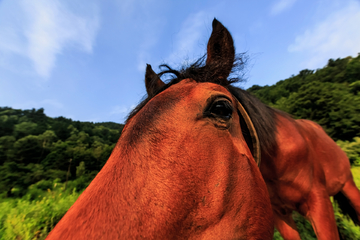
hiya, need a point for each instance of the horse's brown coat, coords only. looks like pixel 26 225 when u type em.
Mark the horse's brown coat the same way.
pixel 308 168
pixel 176 173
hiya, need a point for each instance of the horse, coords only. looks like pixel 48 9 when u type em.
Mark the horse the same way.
pixel 185 165
pixel 302 167
pixel 302 170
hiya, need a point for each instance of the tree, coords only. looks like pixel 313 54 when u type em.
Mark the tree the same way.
pixel 6 148
pixel 28 150
pixel 47 138
pixel 80 170
pixel 25 128
pixel 329 104
pixel 58 158
pixel 352 150
pixel 352 72
pixel 34 147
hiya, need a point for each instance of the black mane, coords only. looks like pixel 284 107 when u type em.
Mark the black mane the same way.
pixel 262 116
pixel 198 71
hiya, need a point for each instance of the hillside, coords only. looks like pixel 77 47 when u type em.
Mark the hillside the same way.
pixel 35 147
pixel 329 96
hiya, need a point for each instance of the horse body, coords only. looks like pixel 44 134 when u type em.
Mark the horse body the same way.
pixel 334 165
pixel 181 169
pixel 302 167
pixel 305 170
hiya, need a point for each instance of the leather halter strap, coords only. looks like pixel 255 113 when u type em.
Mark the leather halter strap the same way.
pixel 254 137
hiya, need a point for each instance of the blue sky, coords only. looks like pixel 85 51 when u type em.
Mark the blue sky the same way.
pixel 86 59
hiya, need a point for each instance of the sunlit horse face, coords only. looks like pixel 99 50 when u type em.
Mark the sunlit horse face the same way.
pixel 180 170
pixel 199 168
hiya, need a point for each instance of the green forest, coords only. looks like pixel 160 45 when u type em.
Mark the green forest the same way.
pixel 46 163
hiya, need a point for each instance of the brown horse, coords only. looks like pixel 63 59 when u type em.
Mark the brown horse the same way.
pixel 302 167
pixel 184 167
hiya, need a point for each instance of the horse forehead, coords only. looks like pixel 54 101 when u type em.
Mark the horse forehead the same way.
pixel 196 91
pixel 204 88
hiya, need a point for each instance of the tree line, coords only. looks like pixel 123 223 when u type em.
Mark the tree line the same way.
pixel 329 96
pixel 35 147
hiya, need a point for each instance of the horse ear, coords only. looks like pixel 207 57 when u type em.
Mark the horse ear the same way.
pixel 220 51
pixel 152 81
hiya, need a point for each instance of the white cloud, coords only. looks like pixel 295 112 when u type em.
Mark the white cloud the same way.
pixel 40 30
pixel 281 5
pixel 337 36
pixel 188 38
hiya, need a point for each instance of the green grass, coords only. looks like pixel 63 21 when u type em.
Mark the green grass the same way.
pixel 34 219
pixel 356 174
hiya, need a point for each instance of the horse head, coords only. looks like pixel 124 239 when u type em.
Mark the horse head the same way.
pixel 182 167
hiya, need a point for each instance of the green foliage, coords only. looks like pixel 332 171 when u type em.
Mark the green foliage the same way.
pixel 352 150
pixel 356 174
pixel 353 71
pixel 28 150
pixel 328 96
pixel 329 104
pixel 34 147
pixel 347 229
pixel 355 87
pixel 24 128
pixel 80 170
pixel 6 148
pixel 34 219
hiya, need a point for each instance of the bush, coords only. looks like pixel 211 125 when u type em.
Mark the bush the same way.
pixel 24 219
pixel 352 150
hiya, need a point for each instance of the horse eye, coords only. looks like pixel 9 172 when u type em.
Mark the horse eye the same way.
pixel 221 109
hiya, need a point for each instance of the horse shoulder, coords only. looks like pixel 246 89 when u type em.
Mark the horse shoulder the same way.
pixel 333 161
pixel 292 148
pixel 289 172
